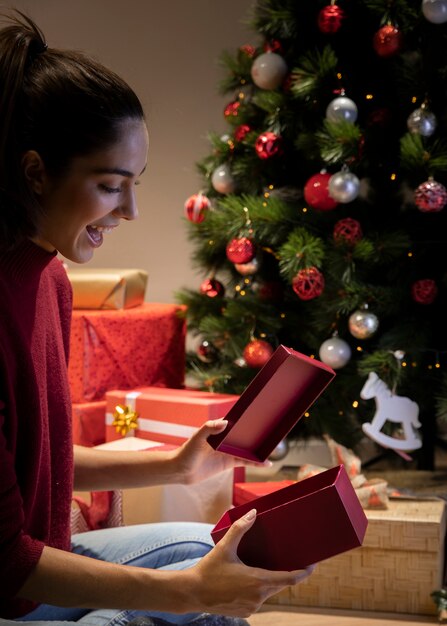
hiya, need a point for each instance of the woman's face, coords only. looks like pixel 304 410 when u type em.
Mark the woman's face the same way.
pixel 91 199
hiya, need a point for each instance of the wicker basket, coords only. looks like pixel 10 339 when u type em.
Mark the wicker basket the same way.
pixel 396 569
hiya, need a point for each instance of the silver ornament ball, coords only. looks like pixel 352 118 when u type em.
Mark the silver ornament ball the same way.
pixel 363 324
pixel 342 109
pixel 280 451
pixel 422 122
pixel 335 352
pixel 344 187
pixel 222 179
pixel 268 70
pixel 435 11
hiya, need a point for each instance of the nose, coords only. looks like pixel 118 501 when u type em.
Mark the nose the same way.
pixel 128 209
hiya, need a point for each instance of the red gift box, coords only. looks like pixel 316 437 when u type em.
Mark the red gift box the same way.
pixel 88 423
pixel 272 404
pixel 124 349
pixel 246 492
pixel 299 525
pixel 166 415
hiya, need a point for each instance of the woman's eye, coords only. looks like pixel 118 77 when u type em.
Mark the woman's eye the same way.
pixel 108 189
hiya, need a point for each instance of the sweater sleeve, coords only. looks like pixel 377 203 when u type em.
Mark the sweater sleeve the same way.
pixel 19 553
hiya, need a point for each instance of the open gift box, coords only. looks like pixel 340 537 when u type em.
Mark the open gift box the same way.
pixel 301 524
pixel 305 522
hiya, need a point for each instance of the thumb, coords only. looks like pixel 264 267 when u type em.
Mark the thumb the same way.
pixel 237 531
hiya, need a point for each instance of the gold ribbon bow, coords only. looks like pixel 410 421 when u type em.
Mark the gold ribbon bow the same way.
pixel 125 419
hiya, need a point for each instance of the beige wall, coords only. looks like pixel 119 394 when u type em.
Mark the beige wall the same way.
pixel 168 50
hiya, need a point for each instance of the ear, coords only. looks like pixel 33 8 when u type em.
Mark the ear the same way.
pixel 34 171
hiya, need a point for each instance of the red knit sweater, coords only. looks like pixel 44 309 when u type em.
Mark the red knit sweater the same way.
pixel 36 459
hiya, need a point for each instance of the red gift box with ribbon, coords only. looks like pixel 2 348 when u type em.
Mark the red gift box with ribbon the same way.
pixel 160 414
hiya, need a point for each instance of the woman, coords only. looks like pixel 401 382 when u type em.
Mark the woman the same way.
pixel 73 145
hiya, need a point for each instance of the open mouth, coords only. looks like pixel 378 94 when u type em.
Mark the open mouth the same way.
pixel 96 233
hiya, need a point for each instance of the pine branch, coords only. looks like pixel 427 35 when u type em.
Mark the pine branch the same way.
pixel 384 364
pixel 275 20
pixel 300 250
pixel 338 142
pixel 312 71
pixel 238 67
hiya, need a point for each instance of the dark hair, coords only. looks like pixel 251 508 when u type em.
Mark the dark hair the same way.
pixel 58 102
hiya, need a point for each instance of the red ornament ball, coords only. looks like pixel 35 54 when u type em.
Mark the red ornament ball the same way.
pixel 257 353
pixel 308 283
pixel 424 291
pixel 249 50
pixel 316 192
pixel 212 288
pixel 388 41
pixel 268 145
pixel 347 231
pixel 330 19
pixel 241 132
pixel 430 197
pixel 196 207
pixel 273 46
pixel 232 109
pixel 241 250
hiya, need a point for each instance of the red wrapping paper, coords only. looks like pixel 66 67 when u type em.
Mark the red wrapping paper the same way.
pixel 124 349
pixel 246 492
pixel 167 415
pixel 88 423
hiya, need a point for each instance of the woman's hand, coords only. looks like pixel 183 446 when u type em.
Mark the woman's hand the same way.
pixel 197 460
pixel 220 583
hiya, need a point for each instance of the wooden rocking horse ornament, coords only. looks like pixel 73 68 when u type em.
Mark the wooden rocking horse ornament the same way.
pixel 392 408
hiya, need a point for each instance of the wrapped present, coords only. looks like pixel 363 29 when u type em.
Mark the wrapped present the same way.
pixel 372 493
pixel 88 423
pixel 125 349
pixel 164 415
pixel 107 289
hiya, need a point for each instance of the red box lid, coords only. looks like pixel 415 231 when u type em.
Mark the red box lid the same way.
pixel 274 401
pixel 299 525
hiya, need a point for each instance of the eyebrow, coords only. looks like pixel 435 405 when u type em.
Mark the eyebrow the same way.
pixel 118 171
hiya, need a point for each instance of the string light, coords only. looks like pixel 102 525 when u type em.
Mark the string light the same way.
pixel 304 209
pixel 410 254
pixel 306 414
pixel 282 315
pixel 413 99
pixel 359 349
pixel 355 404
pixel 393 176
pixel 404 364
pixel 211 242
pixel 369 96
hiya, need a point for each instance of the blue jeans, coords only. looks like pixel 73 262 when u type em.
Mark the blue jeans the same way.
pixel 168 546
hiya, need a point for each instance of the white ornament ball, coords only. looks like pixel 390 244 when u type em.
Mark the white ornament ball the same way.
pixel 342 109
pixel 222 179
pixel 422 122
pixel 435 11
pixel 280 451
pixel 344 187
pixel 268 70
pixel 335 352
pixel 363 324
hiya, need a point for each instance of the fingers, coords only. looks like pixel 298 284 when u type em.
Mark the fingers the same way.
pixel 213 427
pixel 237 530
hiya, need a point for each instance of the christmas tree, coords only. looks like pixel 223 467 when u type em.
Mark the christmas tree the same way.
pixel 320 224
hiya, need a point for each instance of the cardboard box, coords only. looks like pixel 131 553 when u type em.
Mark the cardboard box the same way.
pixel 272 404
pixel 399 565
pixel 301 524
pixel 88 420
pixel 108 289
pixel 167 415
pixel 124 349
